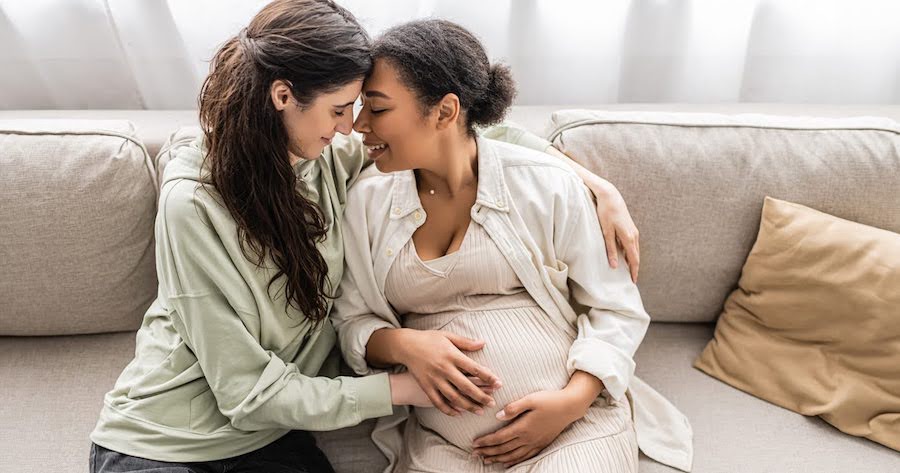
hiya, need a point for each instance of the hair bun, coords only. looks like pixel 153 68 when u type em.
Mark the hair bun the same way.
pixel 491 107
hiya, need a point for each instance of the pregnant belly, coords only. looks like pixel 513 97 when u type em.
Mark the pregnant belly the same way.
pixel 522 347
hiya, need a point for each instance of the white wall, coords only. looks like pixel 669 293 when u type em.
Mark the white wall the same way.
pixel 153 53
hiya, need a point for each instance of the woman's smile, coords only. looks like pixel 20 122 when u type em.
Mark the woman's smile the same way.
pixel 376 149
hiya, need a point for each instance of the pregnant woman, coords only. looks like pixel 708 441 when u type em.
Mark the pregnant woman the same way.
pixel 488 241
pixel 233 363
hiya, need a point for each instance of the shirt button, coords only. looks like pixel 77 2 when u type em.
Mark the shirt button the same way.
pixel 389 252
pixel 500 204
pixel 417 215
pixel 396 210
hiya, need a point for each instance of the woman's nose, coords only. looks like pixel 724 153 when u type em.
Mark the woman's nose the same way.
pixel 361 124
pixel 345 124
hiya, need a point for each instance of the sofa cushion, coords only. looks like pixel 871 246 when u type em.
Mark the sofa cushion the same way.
pixel 735 431
pixel 815 325
pixel 695 185
pixel 53 389
pixel 79 200
pixel 151 126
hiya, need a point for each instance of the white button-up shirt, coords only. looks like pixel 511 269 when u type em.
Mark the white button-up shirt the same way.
pixel 540 215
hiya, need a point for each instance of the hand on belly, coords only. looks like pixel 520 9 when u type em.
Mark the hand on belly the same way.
pixel 523 369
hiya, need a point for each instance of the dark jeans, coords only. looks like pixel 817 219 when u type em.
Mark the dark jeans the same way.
pixel 296 452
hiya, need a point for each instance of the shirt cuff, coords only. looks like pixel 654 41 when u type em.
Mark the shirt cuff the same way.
pixel 605 362
pixel 355 354
pixel 373 395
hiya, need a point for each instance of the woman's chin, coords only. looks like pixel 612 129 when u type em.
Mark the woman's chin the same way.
pixel 310 156
pixel 305 154
pixel 387 163
pixel 382 167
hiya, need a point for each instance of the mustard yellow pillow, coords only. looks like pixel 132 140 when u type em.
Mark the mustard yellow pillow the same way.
pixel 814 325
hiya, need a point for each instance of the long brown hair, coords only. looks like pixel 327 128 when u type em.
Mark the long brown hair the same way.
pixel 316 47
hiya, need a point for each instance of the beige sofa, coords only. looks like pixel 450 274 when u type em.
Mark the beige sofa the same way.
pixel 77 203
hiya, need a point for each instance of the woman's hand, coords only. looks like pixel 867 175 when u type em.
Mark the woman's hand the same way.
pixel 405 390
pixel 537 419
pixel 617 226
pixel 450 379
pixel 615 222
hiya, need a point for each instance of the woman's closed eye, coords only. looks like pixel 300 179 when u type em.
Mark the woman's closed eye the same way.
pixel 340 110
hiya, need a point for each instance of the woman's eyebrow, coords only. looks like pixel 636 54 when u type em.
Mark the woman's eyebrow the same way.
pixel 345 105
pixel 375 93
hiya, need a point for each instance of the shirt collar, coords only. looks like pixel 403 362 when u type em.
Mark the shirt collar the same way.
pixel 491 184
pixel 303 169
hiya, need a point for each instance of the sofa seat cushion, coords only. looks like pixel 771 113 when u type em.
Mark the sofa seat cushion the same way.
pixel 735 431
pixel 53 388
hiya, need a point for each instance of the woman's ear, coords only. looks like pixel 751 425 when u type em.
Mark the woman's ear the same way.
pixel 281 94
pixel 448 111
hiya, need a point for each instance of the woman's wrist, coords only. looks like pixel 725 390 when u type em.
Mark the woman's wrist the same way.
pixel 399 391
pixel 601 188
pixel 400 344
pixel 577 401
pixel 581 392
pixel 405 391
pixel 393 344
pixel 395 389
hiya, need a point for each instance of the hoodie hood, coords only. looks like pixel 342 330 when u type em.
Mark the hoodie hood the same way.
pixel 186 163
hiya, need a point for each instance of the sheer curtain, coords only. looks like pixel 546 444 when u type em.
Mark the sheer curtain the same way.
pixel 154 53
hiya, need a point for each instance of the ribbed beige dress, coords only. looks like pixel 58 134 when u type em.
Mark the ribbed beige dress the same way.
pixel 474 292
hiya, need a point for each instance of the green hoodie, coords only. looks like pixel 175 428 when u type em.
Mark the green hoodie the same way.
pixel 220 367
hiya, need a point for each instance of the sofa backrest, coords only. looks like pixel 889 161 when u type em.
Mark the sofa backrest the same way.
pixel 78 200
pixel 77 209
pixel 695 185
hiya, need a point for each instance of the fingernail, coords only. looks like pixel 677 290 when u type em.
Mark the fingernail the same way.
pixel 501 414
pixel 479 412
pixel 492 403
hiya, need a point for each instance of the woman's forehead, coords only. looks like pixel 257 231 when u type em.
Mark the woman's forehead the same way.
pixel 383 76
pixel 347 93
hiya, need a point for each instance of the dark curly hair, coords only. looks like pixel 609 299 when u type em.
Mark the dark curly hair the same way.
pixel 436 57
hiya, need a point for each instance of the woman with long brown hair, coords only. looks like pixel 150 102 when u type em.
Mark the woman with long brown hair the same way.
pixel 234 361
